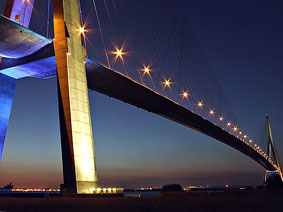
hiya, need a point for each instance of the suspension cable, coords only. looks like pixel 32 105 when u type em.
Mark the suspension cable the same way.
pixel 98 21
pixel 83 26
pixel 48 19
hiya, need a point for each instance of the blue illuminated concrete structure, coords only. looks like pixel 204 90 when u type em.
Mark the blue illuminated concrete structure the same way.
pixel 17 41
pixel 7 89
pixel 19 11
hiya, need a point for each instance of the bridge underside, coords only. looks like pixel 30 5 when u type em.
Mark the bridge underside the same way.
pixel 17 41
pixel 42 64
pixel 116 85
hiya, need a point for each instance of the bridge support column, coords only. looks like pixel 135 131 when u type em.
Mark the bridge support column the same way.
pixel 273 179
pixel 79 168
pixel 19 11
pixel 7 90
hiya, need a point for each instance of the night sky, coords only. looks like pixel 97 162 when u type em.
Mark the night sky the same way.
pixel 242 40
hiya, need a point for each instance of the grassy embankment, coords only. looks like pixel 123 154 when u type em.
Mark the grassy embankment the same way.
pixel 224 201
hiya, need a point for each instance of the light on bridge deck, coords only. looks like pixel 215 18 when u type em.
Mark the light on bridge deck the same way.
pixel 185 94
pixel 119 53
pixel 146 70
pixel 245 136
pixel 211 112
pixel 235 129
pixel 167 83
pixel 200 104
pixel 228 124
pixel 221 118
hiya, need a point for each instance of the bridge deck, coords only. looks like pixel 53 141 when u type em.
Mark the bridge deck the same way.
pixel 116 85
pixel 17 41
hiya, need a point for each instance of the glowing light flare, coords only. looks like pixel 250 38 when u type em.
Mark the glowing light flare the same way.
pixel 240 133
pixel 200 104
pixel 211 112
pixel 167 83
pixel 245 136
pixel 119 53
pixel 229 124
pixel 82 30
pixel 250 140
pixel 221 118
pixel 185 94
pixel 235 129
pixel 146 70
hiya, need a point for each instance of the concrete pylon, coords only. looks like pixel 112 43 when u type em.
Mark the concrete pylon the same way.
pixel 19 11
pixel 7 90
pixel 79 169
pixel 273 179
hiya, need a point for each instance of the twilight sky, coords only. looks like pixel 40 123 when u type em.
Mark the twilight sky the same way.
pixel 242 40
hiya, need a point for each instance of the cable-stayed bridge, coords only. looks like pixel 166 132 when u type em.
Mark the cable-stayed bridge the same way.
pixel 151 61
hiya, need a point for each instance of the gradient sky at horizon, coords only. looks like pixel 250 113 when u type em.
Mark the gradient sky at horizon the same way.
pixel 134 148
